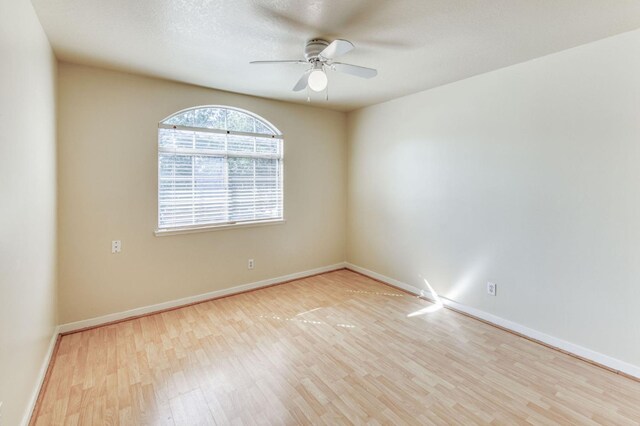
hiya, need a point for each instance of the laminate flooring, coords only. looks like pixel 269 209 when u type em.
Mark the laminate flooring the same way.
pixel 336 348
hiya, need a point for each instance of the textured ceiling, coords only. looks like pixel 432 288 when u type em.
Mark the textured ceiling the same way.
pixel 414 44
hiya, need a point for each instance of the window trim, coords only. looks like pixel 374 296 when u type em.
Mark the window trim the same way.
pixel 163 232
pixel 160 232
pixel 162 125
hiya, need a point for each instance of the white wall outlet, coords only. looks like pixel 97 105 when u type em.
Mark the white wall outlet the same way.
pixel 116 246
pixel 250 264
pixel 492 289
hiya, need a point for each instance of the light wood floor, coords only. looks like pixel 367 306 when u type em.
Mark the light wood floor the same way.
pixel 335 348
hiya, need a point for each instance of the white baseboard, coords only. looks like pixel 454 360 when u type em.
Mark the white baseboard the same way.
pixel 580 351
pixel 92 322
pixel 40 378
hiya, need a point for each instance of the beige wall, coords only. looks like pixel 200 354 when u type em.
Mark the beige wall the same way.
pixel 529 177
pixel 27 206
pixel 107 191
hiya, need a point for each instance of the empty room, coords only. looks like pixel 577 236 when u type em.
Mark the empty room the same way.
pixel 306 212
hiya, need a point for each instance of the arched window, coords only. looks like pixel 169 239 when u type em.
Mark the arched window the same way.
pixel 218 166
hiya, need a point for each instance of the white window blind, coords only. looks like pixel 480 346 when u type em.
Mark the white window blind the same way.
pixel 218 166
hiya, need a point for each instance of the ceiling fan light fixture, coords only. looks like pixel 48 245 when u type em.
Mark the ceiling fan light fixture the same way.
pixel 320 55
pixel 318 80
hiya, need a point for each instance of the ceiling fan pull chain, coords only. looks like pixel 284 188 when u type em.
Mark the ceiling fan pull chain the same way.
pixel 326 90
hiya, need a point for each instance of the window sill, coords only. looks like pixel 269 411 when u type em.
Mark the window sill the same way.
pixel 208 228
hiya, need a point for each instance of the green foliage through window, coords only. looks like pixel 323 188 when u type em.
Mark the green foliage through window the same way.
pixel 209 177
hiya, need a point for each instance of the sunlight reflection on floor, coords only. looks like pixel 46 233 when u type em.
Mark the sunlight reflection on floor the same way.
pixel 275 317
pixel 437 302
pixel 376 293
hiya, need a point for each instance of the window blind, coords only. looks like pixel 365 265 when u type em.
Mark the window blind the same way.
pixel 211 176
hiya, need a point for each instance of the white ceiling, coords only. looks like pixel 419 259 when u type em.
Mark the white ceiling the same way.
pixel 414 44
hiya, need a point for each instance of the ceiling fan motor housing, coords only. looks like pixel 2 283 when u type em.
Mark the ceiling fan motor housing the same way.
pixel 313 49
pixel 319 56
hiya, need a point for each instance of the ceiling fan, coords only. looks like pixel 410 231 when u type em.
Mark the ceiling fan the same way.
pixel 320 55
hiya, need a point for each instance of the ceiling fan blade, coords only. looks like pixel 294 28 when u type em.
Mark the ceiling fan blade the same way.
pixel 356 70
pixel 336 48
pixel 293 61
pixel 302 83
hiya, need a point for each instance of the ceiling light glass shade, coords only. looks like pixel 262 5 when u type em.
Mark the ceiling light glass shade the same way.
pixel 317 80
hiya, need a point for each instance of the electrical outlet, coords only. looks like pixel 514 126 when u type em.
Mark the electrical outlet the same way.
pixel 116 246
pixel 250 264
pixel 492 289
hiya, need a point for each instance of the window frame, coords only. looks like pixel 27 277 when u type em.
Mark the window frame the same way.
pixel 214 226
